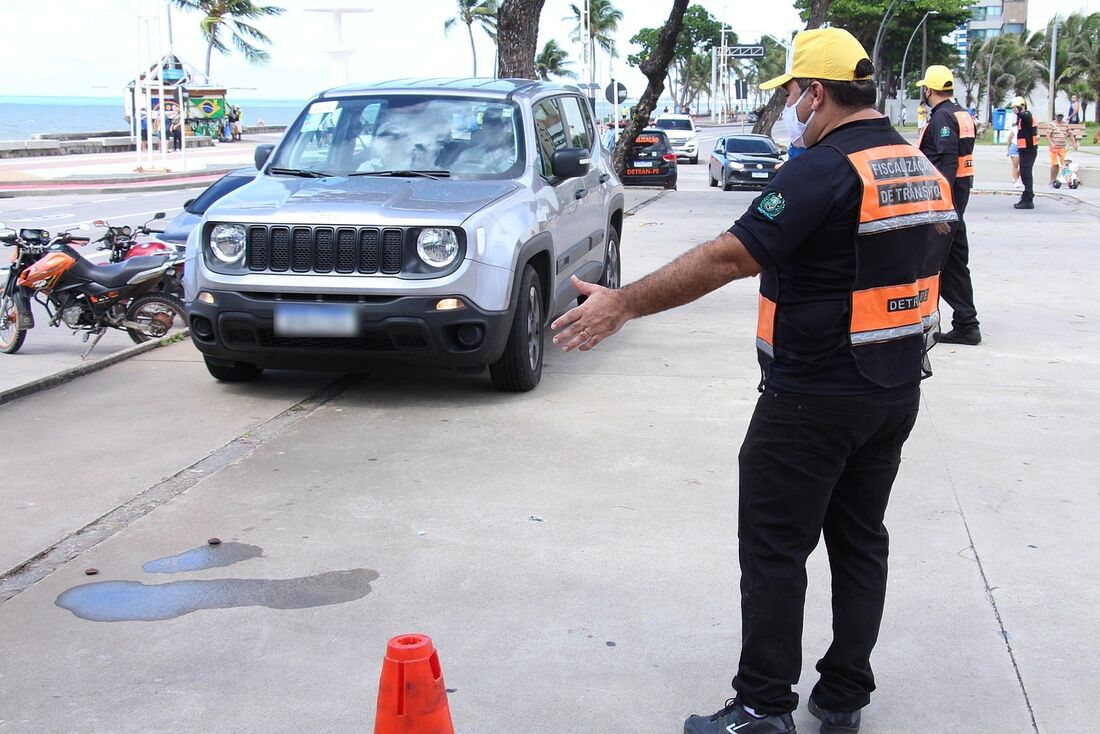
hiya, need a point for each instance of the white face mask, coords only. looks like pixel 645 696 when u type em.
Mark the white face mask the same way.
pixel 795 127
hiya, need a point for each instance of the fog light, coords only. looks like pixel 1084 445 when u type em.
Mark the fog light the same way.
pixel 449 304
pixel 207 297
pixel 469 335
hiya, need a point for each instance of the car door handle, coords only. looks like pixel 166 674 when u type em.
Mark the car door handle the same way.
pixel 580 193
pixel 605 177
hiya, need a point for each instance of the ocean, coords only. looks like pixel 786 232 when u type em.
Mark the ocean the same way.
pixel 21 117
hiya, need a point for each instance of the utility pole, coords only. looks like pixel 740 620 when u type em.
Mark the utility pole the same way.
pixel 1053 61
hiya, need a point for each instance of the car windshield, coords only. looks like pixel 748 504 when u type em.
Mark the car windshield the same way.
pixel 667 124
pixel 215 191
pixel 751 146
pixel 404 135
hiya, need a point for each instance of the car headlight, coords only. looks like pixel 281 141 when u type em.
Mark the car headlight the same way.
pixel 437 246
pixel 734 165
pixel 227 242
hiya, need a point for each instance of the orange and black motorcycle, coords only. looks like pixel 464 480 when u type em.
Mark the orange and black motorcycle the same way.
pixel 86 297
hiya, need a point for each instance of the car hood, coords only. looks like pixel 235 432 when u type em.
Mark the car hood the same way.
pixel 746 158
pixel 357 200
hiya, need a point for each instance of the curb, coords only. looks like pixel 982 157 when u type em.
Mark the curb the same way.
pixel 67 375
pixel 1038 195
pixel 92 186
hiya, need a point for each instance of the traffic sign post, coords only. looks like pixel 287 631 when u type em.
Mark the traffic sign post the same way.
pixel 614 92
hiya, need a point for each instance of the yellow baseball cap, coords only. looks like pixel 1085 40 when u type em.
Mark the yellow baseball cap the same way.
pixel 938 78
pixel 824 53
pixel 1019 102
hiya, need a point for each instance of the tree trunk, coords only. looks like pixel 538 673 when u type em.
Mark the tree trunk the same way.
pixel 209 51
pixel 517 38
pixel 473 49
pixel 655 69
pixel 767 119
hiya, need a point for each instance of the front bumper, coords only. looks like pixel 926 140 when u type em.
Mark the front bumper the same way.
pixel 240 327
pixel 689 149
pixel 750 177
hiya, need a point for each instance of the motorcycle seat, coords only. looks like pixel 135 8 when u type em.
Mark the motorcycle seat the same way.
pixel 116 275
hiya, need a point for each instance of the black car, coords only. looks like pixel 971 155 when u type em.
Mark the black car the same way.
pixel 653 164
pixel 180 226
pixel 744 160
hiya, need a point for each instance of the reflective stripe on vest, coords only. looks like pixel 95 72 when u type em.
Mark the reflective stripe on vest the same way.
pixel 929 289
pixel 901 188
pixel 885 313
pixel 765 326
pixel 967 134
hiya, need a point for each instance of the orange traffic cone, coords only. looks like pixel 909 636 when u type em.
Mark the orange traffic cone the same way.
pixel 411 696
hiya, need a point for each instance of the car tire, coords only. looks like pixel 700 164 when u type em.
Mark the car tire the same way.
pixel 612 276
pixel 695 161
pixel 713 180
pixel 519 368
pixel 232 371
pixel 727 185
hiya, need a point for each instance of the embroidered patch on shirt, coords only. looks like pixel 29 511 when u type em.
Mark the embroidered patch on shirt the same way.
pixel 945 132
pixel 772 205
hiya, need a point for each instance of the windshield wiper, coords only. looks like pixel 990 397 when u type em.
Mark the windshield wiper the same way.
pixel 303 172
pixel 405 173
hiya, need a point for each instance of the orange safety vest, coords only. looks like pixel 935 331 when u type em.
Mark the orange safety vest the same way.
pixel 893 308
pixel 967 137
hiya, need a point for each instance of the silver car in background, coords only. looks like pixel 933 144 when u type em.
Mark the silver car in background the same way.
pixel 435 221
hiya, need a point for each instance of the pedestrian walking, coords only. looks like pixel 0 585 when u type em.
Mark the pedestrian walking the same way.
pixel 1057 134
pixel 903 115
pixel 842 351
pixel 948 141
pixel 175 128
pixel 1073 114
pixel 1027 141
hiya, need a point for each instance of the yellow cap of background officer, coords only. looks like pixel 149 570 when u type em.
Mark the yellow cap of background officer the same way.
pixel 824 53
pixel 1019 102
pixel 938 78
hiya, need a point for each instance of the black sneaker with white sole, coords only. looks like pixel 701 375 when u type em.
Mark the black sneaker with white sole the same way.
pixel 835 722
pixel 734 719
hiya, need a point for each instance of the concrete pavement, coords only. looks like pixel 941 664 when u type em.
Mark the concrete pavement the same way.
pixel 572 550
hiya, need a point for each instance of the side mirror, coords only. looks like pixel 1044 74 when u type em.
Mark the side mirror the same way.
pixel 262 153
pixel 158 215
pixel 188 203
pixel 570 162
pixel 100 223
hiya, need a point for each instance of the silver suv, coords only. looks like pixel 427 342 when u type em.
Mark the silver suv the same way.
pixel 437 221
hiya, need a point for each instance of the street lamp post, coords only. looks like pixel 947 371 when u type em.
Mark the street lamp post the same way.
pixel 989 79
pixel 880 36
pixel 903 91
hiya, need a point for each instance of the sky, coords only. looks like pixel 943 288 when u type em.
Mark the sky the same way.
pixel 94 47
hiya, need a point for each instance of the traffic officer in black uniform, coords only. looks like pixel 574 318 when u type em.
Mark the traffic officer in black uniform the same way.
pixel 948 141
pixel 847 240
pixel 1027 142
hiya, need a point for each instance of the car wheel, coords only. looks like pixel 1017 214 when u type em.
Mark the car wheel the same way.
pixel 727 185
pixel 612 263
pixel 232 371
pixel 713 180
pixel 519 369
pixel 695 160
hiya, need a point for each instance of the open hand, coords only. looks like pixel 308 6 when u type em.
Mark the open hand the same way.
pixel 600 316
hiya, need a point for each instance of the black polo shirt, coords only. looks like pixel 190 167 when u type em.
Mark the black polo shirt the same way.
pixel 807 252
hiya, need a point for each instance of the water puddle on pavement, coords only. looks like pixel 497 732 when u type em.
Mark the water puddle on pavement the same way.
pixel 203 557
pixel 133 601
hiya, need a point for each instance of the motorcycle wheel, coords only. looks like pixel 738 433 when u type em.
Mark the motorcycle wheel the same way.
pixel 11 336
pixel 160 314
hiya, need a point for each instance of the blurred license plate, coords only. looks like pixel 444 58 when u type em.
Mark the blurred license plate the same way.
pixel 643 164
pixel 309 319
pixel 763 174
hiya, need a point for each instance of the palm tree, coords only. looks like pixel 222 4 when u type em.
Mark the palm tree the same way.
pixel 229 16
pixel 603 21
pixel 482 12
pixel 552 61
pixel 1085 58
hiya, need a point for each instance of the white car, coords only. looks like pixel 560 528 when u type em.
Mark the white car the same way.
pixel 682 133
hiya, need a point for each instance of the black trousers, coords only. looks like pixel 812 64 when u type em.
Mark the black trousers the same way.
pixel 814 465
pixel 1027 164
pixel 955 285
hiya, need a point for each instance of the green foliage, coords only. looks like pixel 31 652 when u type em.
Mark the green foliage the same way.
pixel 689 74
pixel 228 16
pixel 553 60
pixel 482 13
pixel 603 21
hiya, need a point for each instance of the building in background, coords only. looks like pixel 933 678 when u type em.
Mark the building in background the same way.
pixel 990 18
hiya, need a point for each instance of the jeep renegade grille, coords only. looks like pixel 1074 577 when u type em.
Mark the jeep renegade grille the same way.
pixel 367 250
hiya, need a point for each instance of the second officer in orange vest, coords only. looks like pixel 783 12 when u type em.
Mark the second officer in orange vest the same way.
pixel 847 240
pixel 948 141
